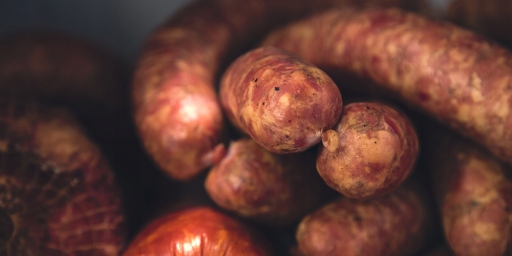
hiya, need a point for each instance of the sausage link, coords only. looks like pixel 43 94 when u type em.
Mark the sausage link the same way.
pixel 282 101
pixel 451 73
pixel 273 189
pixel 174 89
pixel 396 224
pixel 474 195
pixel 58 195
pixel 198 230
pixel 370 152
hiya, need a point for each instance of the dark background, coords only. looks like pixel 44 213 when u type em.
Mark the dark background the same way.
pixel 117 24
pixel 120 25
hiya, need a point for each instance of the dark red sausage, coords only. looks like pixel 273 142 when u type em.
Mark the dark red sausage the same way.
pixel 58 194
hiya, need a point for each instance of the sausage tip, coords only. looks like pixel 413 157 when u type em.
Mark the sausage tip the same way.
pixel 331 140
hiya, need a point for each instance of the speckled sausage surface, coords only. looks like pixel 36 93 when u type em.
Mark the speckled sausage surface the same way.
pixel 396 224
pixel 58 195
pixel 453 74
pixel 273 189
pixel 474 196
pixel 282 101
pixel 370 152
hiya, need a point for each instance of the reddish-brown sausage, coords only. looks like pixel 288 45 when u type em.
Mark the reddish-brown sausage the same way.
pixel 58 195
pixel 370 152
pixel 282 101
pixel 176 109
pixel 197 231
pixel 453 74
pixel 396 224
pixel 474 195
pixel 274 189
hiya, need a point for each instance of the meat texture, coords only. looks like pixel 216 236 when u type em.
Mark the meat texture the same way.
pixel 58 195
pixel 283 102
pixel 177 112
pixel 274 189
pixel 455 75
pixel 474 196
pixel 370 152
pixel 396 224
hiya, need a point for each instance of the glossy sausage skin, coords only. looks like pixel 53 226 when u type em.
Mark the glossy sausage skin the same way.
pixel 282 101
pixel 58 194
pixel 455 75
pixel 197 231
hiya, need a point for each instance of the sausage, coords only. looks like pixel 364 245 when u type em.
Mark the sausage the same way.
pixel 58 68
pixel 58 195
pixel 273 189
pixel 370 152
pixel 283 102
pixel 176 109
pixel 455 75
pixel 395 224
pixel 197 231
pixel 474 195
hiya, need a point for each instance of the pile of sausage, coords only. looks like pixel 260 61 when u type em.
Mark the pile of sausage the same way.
pixel 293 127
pixel 60 97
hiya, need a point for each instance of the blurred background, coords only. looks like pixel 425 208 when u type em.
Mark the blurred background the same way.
pixel 118 25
